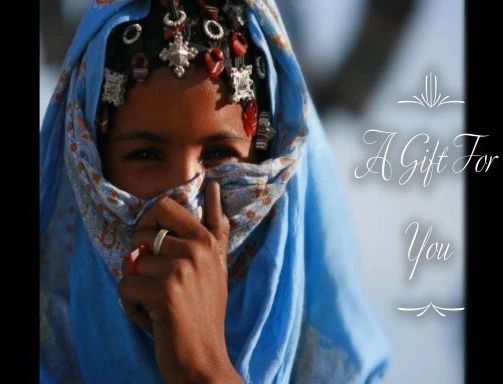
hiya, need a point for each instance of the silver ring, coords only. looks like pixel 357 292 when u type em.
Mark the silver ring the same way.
pixel 158 241
pixel 136 28
pixel 260 66
pixel 209 33
pixel 174 23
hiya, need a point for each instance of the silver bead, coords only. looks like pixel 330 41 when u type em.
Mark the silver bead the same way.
pixel 208 25
pixel 260 67
pixel 174 23
pixel 131 34
pixel 265 131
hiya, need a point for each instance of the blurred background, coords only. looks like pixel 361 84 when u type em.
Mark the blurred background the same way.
pixel 359 58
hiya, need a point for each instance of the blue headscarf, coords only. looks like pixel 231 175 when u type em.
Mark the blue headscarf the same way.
pixel 294 312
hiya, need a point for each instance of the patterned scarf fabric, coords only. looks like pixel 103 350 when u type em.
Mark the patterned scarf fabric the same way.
pixel 294 310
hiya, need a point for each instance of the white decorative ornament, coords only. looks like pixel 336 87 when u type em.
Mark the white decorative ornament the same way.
pixel 174 23
pixel 178 53
pixel 213 29
pixel 242 84
pixel 114 88
pixel 430 98
pixel 426 308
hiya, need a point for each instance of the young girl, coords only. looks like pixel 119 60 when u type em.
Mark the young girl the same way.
pixel 193 227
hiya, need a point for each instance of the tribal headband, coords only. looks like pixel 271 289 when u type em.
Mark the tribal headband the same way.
pixel 175 34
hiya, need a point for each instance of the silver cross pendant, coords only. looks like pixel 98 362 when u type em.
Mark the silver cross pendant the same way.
pixel 178 54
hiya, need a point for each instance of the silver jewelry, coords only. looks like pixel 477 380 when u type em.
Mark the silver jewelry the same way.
pixel 158 241
pixel 242 84
pixel 260 67
pixel 239 61
pixel 174 23
pixel 265 132
pixel 114 88
pixel 131 34
pixel 178 53
pixel 208 25
pixel 235 14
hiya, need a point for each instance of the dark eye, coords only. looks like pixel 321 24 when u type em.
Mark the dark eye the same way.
pixel 218 154
pixel 146 154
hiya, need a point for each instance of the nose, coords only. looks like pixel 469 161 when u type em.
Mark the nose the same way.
pixel 183 167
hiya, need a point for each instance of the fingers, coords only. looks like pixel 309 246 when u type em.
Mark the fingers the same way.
pixel 173 250
pixel 215 219
pixel 137 314
pixel 167 213
pixel 132 292
pixel 139 290
pixel 171 246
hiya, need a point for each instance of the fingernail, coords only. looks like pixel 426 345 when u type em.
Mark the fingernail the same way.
pixel 133 256
pixel 199 212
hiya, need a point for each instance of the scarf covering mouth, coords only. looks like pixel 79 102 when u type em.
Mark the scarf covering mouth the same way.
pixel 248 191
pixel 295 312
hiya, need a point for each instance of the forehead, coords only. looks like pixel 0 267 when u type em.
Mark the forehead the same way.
pixel 193 105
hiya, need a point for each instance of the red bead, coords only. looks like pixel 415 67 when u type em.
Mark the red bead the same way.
pixel 239 44
pixel 133 256
pixel 214 59
pixel 168 33
pixel 250 114
pixel 140 67
pixel 210 10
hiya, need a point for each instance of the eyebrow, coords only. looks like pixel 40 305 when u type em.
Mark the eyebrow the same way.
pixel 155 138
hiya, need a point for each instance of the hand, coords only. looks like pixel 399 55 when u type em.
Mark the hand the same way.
pixel 182 292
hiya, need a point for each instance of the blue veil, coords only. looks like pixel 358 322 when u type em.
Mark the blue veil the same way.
pixel 295 316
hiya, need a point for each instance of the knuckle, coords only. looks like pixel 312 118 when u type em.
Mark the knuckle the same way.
pixel 163 203
pixel 182 270
pixel 192 249
pixel 171 288
pixel 208 239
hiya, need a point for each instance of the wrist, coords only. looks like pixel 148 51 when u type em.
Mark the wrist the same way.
pixel 224 373
pixel 228 376
pixel 217 370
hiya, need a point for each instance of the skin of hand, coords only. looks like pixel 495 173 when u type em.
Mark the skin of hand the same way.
pixel 180 295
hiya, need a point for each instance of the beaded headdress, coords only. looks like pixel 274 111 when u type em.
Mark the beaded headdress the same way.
pixel 177 34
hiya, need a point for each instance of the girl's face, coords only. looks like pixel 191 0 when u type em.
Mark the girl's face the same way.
pixel 170 129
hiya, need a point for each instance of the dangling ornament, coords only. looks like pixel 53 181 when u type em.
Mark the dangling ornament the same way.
pixel 265 131
pixel 214 59
pixel 178 54
pixel 140 67
pixel 242 84
pixel 250 112
pixel 114 88
pixel 239 44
